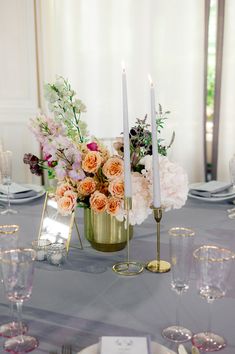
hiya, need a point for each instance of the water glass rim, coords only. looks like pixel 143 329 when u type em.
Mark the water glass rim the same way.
pixel 230 254
pixel 5 229
pixel 185 231
pixel 17 250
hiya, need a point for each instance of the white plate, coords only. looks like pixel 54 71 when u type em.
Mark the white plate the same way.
pixel 39 189
pixel 156 349
pixel 222 196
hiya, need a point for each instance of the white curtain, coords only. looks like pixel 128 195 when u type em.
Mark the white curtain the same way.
pixel 86 41
pixel 227 119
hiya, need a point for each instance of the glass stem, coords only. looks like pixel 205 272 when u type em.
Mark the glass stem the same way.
pixel 209 326
pixel 12 311
pixel 8 196
pixel 177 315
pixel 19 305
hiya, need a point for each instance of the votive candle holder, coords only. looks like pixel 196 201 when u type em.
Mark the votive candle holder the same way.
pixel 56 254
pixel 41 246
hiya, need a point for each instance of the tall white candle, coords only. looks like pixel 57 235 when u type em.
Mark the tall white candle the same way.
pixel 127 163
pixel 155 157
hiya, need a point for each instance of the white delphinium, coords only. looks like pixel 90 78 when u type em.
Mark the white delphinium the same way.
pixel 66 107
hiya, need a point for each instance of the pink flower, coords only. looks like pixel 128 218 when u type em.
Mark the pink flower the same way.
pixel 93 146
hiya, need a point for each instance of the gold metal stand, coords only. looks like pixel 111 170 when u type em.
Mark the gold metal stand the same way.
pixel 158 265
pixel 79 238
pixel 129 267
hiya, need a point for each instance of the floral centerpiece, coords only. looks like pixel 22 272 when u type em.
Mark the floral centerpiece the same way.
pixel 88 176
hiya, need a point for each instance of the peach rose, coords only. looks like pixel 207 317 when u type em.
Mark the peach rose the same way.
pixel 113 167
pixel 62 188
pixel 87 186
pixel 67 203
pixel 92 162
pixel 113 205
pixel 98 202
pixel 116 187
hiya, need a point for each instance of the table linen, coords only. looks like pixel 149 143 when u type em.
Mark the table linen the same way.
pixel 84 299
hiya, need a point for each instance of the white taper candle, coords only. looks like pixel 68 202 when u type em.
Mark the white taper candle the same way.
pixel 127 163
pixel 155 157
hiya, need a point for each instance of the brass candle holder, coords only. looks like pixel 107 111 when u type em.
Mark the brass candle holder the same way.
pixel 157 265
pixel 129 267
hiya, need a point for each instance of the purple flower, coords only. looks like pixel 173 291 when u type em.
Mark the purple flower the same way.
pixel 77 174
pixel 60 170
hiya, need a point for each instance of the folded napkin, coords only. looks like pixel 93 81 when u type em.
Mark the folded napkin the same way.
pixel 212 189
pixel 17 191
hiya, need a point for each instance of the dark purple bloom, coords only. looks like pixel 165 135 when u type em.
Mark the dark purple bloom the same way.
pixel 36 170
pixel 34 164
pixel 30 159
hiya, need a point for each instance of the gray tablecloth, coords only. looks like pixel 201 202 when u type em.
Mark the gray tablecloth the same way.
pixel 85 299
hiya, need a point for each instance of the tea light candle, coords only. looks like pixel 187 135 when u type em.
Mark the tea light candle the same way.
pixel 56 258
pixel 40 255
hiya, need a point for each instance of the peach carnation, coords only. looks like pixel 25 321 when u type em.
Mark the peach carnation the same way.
pixel 113 205
pixel 92 162
pixel 113 167
pixel 98 202
pixel 116 187
pixel 87 186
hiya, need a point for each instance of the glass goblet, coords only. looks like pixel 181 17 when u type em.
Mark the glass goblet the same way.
pixel 213 266
pixel 6 172
pixel 8 240
pixel 181 248
pixel 17 271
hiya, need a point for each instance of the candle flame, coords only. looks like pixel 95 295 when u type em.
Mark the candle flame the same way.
pixel 123 66
pixel 150 80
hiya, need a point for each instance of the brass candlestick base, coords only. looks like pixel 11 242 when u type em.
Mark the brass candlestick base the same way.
pixel 129 267
pixel 157 265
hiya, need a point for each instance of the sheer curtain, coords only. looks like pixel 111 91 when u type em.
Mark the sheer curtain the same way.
pixel 227 121
pixel 86 41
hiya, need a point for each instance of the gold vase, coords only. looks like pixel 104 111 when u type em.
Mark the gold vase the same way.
pixel 104 232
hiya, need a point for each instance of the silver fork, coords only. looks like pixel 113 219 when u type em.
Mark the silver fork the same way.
pixel 66 349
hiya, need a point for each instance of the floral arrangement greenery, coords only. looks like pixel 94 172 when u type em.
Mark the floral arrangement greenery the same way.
pixel 88 176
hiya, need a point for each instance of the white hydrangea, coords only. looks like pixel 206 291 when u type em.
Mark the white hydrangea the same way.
pixel 173 182
pixel 141 200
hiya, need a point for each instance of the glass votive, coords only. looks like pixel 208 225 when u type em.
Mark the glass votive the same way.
pixel 41 246
pixel 56 253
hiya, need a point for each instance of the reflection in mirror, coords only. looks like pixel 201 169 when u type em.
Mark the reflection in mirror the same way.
pixel 54 226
